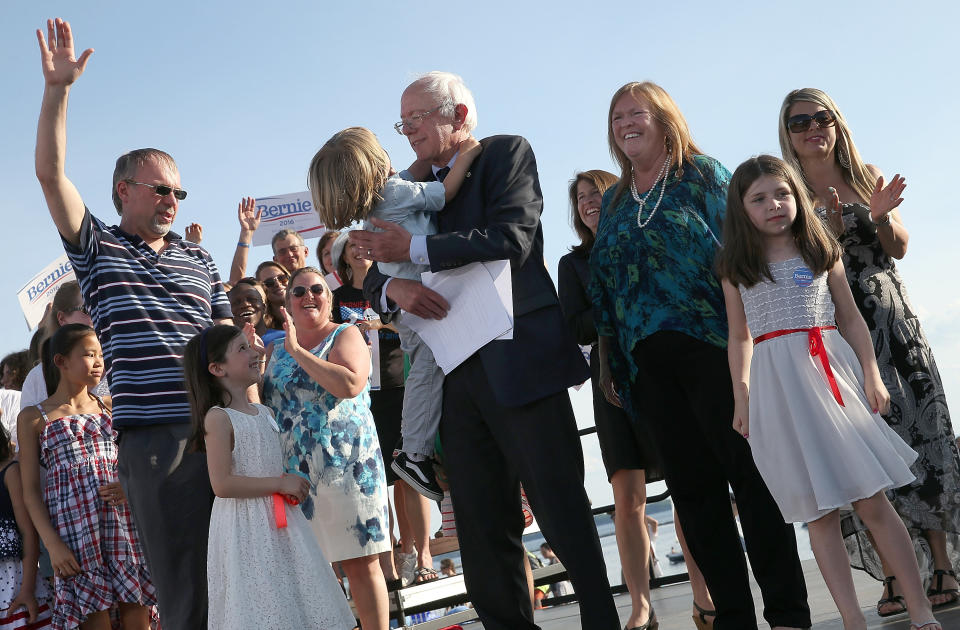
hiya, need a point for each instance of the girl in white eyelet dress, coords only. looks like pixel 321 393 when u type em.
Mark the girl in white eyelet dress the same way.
pixel 265 568
pixel 807 389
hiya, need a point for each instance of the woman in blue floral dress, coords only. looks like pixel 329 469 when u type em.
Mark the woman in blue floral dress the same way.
pixel 316 384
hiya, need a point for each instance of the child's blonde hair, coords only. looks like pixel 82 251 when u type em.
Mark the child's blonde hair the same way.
pixel 346 176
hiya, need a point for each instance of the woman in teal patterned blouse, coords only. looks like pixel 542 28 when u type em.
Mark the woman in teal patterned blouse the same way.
pixel 662 326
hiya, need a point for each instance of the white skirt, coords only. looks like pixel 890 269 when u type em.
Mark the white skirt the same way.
pixel 814 454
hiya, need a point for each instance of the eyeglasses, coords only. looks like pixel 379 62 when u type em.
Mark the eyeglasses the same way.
pixel 801 122
pixel 300 291
pixel 82 309
pixel 162 189
pixel 414 121
pixel 278 279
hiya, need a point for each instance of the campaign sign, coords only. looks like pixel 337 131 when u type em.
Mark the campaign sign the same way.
pixel 39 291
pixel 293 211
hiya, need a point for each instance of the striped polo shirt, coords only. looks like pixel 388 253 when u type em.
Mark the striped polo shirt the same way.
pixel 145 307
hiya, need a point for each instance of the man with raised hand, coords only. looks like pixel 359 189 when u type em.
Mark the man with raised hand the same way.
pixel 148 292
pixel 510 393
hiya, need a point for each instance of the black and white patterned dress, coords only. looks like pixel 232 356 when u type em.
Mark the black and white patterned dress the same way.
pixel 918 406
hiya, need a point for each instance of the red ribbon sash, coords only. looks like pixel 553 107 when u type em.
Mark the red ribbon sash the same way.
pixel 817 349
pixel 279 510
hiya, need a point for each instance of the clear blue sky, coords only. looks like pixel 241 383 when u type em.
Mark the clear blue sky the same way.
pixel 242 94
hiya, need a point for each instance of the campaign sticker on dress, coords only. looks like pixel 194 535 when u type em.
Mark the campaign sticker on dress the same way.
pixel 802 277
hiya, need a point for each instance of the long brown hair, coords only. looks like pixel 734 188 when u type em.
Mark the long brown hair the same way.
pixel 602 180
pixel 852 167
pixel 665 111
pixel 204 390
pixel 742 259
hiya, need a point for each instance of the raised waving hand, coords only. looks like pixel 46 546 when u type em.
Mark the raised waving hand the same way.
pixel 60 64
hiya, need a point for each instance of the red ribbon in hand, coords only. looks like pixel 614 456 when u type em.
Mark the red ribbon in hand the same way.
pixel 279 510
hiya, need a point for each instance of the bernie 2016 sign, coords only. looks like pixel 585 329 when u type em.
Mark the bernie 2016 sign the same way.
pixel 293 211
pixel 39 291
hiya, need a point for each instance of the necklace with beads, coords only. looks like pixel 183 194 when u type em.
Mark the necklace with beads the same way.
pixel 643 201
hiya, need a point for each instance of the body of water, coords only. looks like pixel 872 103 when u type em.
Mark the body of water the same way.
pixel 665 542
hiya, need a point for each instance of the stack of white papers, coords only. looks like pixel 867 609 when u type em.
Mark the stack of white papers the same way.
pixel 481 310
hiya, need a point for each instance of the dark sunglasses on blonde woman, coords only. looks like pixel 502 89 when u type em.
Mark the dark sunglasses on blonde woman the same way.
pixel 300 291
pixel 802 122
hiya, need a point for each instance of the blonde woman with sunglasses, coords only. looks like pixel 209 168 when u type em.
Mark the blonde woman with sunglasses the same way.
pixel 856 200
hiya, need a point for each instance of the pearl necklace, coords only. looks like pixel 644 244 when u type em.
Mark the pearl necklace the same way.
pixel 636 197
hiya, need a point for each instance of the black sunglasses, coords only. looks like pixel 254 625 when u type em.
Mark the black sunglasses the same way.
pixel 801 122
pixel 162 189
pixel 82 308
pixel 300 291
pixel 272 282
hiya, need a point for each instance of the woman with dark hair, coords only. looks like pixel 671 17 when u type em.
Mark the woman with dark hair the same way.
pixel 661 321
pixel 815 138
pixel 274 279
pixel 626 447
pixel 324 247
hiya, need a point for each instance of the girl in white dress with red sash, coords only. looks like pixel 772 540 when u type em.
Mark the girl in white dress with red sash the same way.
pixel 807 391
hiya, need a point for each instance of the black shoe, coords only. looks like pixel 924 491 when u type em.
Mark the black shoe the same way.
pixel 419 475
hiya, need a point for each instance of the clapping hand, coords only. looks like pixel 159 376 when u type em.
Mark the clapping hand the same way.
pixel 253 339
pixel 193 233
pixel 290 342
pixel 60 66
pixel 885 198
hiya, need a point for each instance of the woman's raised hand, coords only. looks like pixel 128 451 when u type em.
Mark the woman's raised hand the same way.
pixel 885 198
pixel 60 66
pixel 290 342
pixel 253 339
pixel 248 214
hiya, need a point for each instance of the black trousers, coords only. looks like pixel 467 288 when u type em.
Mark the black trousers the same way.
pixel 170 498
pixel 684 390
pixel 488 451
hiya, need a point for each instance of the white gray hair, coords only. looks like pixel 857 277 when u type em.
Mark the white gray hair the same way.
pixel 449 90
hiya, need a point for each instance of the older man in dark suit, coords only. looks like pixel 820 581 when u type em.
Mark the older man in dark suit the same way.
pixel 511 393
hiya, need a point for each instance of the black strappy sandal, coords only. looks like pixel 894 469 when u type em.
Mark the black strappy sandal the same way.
pixel 953 594
pixel 890 598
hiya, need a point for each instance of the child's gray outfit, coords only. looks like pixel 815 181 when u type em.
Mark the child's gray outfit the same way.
pixel 412 205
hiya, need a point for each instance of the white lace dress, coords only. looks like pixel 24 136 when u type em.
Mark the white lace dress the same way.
pixel 814 454
pixel 258 576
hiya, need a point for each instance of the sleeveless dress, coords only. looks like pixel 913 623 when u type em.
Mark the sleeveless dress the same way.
pixel 80 455
pixel 333 442
pixel 814 454
pixel 11 568
pixel 259 576
pixel 918 406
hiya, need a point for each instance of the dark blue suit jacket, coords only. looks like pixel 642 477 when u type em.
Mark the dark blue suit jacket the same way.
pixel 496 216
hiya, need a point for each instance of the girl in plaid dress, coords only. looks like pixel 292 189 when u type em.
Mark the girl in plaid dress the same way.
pixel 81 512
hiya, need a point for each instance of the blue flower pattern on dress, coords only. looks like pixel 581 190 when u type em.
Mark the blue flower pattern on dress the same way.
pixel 333 443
